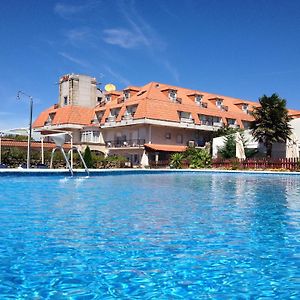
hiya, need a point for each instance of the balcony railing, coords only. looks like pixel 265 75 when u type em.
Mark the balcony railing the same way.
pixel 233 126
pixel 218 124
pixel 125 143
pixel 111 119
pixel 127 117
pixel 186 120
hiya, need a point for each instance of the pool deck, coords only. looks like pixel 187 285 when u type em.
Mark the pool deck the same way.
pixel 99 172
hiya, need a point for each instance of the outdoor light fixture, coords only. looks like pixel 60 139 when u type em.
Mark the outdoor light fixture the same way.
pixel 30 125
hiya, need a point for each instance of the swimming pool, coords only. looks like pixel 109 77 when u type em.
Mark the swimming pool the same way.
pixel 150 236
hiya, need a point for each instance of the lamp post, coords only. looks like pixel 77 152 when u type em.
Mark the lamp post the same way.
pixel 1 148
pixel 30 125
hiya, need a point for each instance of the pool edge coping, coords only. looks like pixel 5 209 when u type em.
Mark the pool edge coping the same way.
pixel 124 171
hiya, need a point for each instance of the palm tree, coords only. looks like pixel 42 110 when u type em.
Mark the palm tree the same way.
pixel 271 122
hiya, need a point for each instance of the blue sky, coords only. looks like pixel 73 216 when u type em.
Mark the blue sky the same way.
pixel 237 48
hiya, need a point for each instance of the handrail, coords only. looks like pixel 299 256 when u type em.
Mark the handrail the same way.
pixel 65 157
pixel 82 160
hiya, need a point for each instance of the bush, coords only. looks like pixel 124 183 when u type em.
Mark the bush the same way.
pixel 87 156
pixel 176 160
pixel 200 158
pixel 197 158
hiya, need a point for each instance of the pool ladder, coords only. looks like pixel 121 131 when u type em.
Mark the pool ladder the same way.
pixel 67 159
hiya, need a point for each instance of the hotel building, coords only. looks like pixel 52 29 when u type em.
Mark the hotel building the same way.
pixel 144 124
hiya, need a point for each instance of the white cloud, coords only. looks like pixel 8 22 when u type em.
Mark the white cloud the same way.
pixel 171 68
pixel 123 38
pixel 139 32
pixel 68 10
pixel 77 61
pixel 76 35
pixel 117 76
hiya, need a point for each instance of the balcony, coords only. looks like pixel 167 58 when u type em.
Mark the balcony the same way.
pixel 218 124
pixel 127 117
pixel 111 119
pixel 125 144
pixel 224 107
pixel 186 120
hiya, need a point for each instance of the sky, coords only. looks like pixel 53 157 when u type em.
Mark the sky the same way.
pixel 236 48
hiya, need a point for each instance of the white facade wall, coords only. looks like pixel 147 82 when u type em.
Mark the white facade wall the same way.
pixel 127 133
pixel 80 90
pixel 174 136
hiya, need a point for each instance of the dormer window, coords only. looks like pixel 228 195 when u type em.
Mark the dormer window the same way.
pixel 126 95
pixel 173 95
pixel 130 111
pixel 98 117
pixel 245 107
pixel 107 98
pixel 198 99
pixel 232 123
pixel 219 103
pixel 185 117
pixel 50 119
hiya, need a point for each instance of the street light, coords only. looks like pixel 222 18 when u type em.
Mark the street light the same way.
pixel 30 125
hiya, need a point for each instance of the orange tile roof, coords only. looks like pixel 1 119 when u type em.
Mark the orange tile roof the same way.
pixel 167 148
pixel 34 145
pixel 153 103
pixel 66 115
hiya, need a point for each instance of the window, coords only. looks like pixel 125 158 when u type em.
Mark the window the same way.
pixel 90 137
pixel 126 95
pixel 168 136
pixel 198 99
pixel 246 124
pixel 107 98
pixel 173 95
pixel 231 121
pixel 99 99
pixel 245 108
pixel 65 100
pixel 219 102
pixel 179 139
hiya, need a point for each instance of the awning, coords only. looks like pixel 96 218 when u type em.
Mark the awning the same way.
pixel 166 148
pixel 24 144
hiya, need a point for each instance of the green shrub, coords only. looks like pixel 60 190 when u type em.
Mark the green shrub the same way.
pixel 87 156
pixel 176 160
pixel 229 148
pixel 200 159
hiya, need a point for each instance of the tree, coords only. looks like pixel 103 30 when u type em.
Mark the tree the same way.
pixel 87 156
pixel 229 148
pixel 271 124
pixel 226 130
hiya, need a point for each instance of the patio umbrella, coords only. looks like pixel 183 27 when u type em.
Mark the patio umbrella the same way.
pixel 144 160
pixel 240 151
pixel 292 150
pixel 58 138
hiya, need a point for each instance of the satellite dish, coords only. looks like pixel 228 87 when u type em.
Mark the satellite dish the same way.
pixel 110 87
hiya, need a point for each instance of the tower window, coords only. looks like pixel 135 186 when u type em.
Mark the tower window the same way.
pixel 65 100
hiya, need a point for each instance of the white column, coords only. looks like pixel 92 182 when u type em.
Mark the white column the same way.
pixel 42 144
pixel 0 149
pixel 71 151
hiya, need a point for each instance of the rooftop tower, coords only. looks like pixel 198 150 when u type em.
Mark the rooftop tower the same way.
pixel 79 90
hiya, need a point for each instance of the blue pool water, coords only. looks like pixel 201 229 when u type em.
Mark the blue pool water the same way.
pixel 162 236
